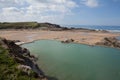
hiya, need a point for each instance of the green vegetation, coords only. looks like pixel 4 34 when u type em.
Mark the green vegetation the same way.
pixel 8 68
pixel 26 25
pixel 18 25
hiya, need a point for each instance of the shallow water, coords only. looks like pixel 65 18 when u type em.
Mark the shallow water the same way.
pixel 76 61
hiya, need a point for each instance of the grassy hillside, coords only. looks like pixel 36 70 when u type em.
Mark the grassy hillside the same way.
pixel 18 25
pixel 26 25
pixel 8 70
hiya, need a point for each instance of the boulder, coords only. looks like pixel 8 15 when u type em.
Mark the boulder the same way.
pixel 68 41
pixel 110 41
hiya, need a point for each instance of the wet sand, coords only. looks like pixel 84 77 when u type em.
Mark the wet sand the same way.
pixel 84 37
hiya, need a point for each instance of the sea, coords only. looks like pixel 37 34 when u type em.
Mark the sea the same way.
pixel 96 27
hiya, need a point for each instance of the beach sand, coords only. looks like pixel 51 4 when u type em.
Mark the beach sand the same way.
pixel 84 37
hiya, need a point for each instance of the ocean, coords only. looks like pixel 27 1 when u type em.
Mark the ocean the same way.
pixel 96 27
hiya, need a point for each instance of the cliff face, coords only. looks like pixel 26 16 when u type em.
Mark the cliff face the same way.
pixel 25 62
pixel 110 41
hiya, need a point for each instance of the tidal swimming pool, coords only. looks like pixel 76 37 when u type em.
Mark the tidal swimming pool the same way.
pixel 76 61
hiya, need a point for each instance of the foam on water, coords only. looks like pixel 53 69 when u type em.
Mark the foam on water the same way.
pixel 97 27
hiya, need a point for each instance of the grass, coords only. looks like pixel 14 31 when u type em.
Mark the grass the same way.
pixel 26 25
pixel 8 70
pixel 18 25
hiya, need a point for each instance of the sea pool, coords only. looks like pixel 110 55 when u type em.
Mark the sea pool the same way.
pixel 76 61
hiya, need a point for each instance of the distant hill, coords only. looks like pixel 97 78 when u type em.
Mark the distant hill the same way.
pixel 30 25
pixel 40 26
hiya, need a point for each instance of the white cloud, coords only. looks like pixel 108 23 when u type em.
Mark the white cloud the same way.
pixel 11 3
pixel 90 3
pixel 35 10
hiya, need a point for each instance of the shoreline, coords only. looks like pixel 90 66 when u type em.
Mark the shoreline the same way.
pixel 72 43
pixel 79 36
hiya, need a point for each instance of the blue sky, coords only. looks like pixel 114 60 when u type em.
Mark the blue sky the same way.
pixel 84 12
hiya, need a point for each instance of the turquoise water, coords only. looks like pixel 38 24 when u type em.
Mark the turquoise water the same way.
pixel 76 61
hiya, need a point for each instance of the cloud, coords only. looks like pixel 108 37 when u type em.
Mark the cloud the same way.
pixel 35 10
pixel 90 3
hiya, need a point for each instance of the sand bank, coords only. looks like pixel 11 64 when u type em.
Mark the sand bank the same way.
pixel 83 37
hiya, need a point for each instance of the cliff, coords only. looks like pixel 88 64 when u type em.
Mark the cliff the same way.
pixel 16 63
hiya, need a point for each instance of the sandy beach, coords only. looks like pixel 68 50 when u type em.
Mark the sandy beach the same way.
pixel 83 37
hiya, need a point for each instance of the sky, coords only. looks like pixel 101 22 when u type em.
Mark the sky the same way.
pixel 82 12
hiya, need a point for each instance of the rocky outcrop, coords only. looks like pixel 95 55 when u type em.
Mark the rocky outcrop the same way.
pixel 67 41
pixel 27 62
pixel 25 69
pixel 110 41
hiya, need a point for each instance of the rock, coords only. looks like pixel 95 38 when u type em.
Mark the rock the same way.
pixel 26 69
pixel 23 57
pixel 34 58
pixel 16 41
pixel 25 51
pixel 110 41
pixel 68 41
pixel 19 60
pixel 19 43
